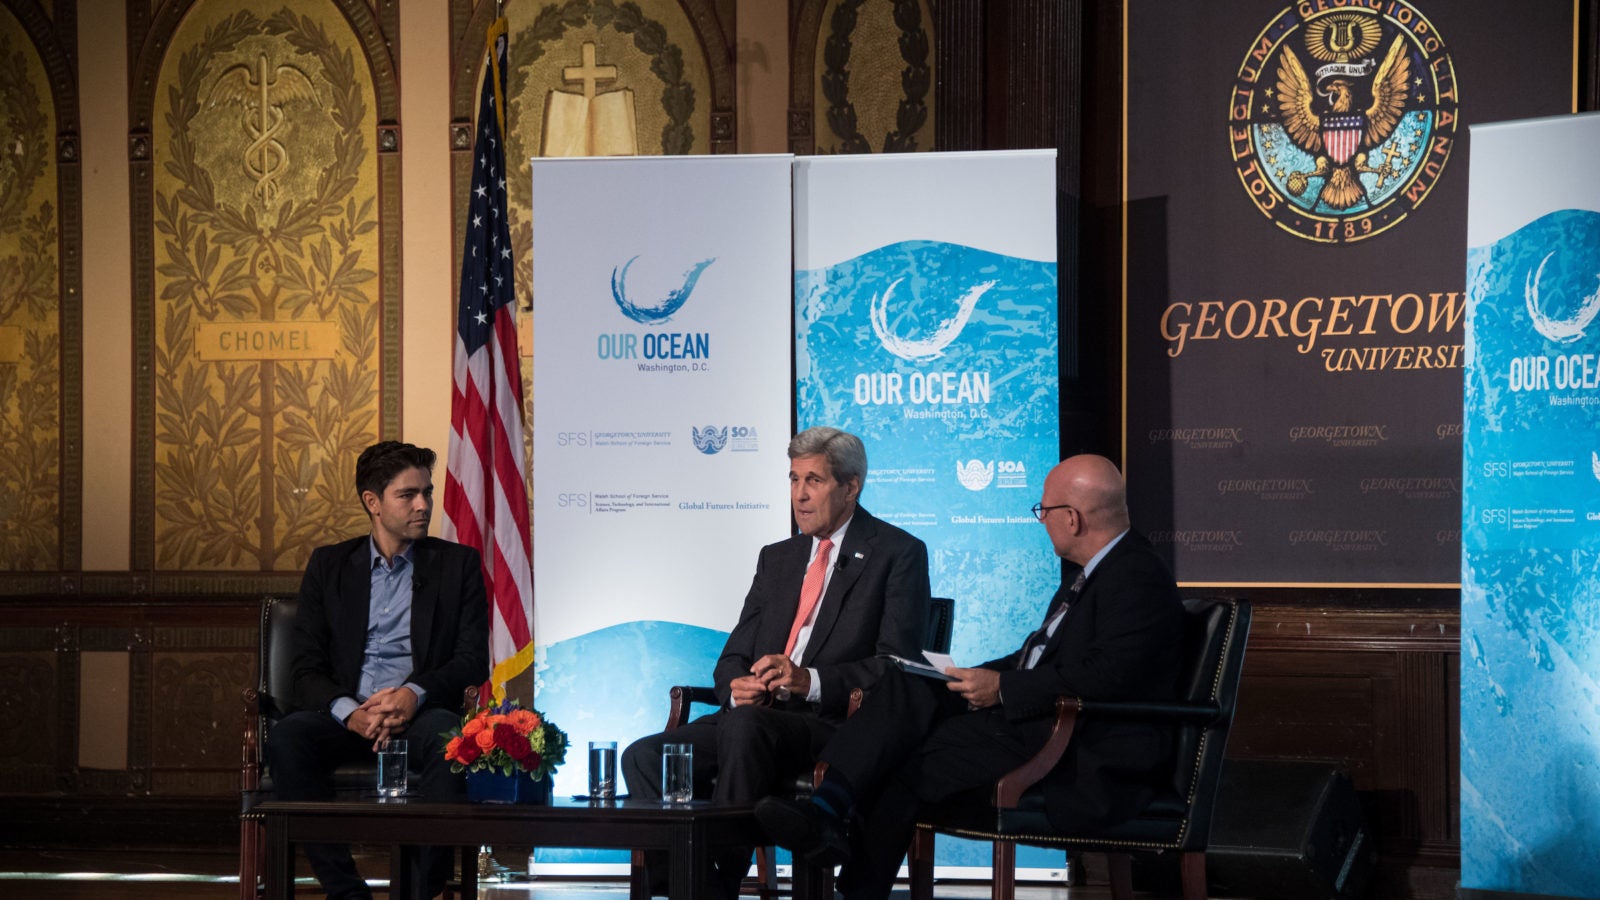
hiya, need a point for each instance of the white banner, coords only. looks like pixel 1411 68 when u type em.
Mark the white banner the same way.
pixel 661 416
pixel 1530 530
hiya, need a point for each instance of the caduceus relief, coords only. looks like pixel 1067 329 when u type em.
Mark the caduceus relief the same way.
pixel 262 98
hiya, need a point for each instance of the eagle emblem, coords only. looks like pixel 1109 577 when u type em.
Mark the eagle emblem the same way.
pixel 1324 119
pixel 1342 119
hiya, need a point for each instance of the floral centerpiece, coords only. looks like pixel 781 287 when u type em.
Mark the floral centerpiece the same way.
pixel 498 745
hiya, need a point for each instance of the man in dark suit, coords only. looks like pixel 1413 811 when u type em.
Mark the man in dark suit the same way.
pixel 1111 634
pixel 391 629
pixel 822 607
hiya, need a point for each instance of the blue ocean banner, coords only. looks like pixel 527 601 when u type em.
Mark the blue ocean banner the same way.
pixel 926 322
pixel 661 417
pixel 1530 560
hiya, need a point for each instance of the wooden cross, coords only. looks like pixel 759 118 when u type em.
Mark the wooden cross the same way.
pixel 589 73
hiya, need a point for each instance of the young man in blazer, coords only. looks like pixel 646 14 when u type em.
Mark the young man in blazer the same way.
pixel 822 608
pixel 1110 634
pixel 391 629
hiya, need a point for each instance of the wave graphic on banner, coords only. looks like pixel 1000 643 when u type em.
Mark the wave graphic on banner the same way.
pixel 667 307
pixel 614 708
pixel 1531 561
pixel 942 357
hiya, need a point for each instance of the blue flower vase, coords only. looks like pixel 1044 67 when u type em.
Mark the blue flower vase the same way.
pixel 493 787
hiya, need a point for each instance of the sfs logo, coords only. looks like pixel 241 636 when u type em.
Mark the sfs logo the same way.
pixel 572 500
pixel 1498 516
pixel 572 439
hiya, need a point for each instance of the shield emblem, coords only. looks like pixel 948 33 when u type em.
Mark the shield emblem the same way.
pixel 1342 135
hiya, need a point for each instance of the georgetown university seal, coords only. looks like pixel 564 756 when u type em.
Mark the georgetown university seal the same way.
pixel 1342 117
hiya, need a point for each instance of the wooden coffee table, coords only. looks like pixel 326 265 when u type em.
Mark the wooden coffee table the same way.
pixel 686 831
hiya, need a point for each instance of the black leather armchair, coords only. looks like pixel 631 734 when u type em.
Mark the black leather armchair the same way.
pixel 1179 822
pixel 264 705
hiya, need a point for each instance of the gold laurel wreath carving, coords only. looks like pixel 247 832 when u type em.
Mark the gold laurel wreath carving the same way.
pixel 296 426
pixel 912 111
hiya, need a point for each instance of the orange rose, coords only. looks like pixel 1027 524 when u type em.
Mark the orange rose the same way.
pixel 472 727
pixel 450 750
pixel 485 740
pixel 523 721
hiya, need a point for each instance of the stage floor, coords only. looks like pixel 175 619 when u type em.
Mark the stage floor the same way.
pixel 193 875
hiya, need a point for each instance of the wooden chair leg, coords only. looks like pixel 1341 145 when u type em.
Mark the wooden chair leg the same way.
pixel 920 862
pixel 1121 869
pixel 766 872
pixel 1005 871
pixel 1193 866
pixel 250 851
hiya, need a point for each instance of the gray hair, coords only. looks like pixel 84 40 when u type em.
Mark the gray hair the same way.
pixel 847 458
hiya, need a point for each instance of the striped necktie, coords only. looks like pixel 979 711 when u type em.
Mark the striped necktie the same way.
pixel 1036 640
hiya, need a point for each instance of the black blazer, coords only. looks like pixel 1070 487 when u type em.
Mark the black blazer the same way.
pixel 1120 641
pixel 449 616
pixel 877 602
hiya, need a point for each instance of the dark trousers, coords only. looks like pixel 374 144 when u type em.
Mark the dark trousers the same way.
pixel 912 742
pixel 305 747
pixel 740 755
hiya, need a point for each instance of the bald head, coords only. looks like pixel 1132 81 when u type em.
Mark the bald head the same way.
pixel 1093 490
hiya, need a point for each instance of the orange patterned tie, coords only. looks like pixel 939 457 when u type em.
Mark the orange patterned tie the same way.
pixel 810 591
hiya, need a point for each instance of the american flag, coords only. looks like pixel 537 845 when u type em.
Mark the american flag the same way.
pixel 485 486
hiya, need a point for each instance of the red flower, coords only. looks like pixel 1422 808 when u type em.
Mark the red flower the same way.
pixel 468 752
pixel 515 745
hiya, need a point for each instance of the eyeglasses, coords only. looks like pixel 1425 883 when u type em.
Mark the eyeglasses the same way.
pixel 1039 509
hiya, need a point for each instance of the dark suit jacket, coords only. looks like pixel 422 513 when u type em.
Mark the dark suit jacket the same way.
pixel 876 602
pixel 1119 641
pixel 449 615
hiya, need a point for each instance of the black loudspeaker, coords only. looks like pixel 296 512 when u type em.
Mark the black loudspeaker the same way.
pixel 1281 831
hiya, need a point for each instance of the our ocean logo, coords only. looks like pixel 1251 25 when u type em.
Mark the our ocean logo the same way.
pixel 929 329
pixel 670 352
pixel 1559 292
pixel 974 475
pixel 663 310
pixel 927 348
pixel 1562 331
pixel 709 440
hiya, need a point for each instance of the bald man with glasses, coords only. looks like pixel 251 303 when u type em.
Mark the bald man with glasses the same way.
pixel 1111 632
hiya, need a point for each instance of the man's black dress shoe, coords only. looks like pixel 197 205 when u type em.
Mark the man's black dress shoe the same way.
pixel 802 827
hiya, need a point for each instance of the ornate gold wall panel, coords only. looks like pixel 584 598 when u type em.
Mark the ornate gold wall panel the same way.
pixel 272 336
pixel 862 75
pixel 40 346
pixel 673 58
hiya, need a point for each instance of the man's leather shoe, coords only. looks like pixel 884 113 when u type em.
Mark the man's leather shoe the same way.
pixel 802 827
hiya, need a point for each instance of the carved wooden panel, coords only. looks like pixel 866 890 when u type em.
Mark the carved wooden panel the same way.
pixel 30 739
pixel 266 317
pixel 194 724
pixel 1373 692
pixel 188 664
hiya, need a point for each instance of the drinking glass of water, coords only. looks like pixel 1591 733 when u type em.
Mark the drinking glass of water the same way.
pixel 602 770
pixel 392 769
pixel 677 773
